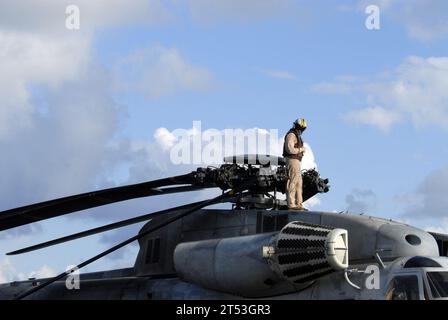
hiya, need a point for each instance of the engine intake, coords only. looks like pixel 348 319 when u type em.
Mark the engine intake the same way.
pixel 303 252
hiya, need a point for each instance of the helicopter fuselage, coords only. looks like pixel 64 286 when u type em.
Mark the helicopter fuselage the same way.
pixel 376 248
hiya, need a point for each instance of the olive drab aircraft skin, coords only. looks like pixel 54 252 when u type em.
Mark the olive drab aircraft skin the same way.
pixel 257 249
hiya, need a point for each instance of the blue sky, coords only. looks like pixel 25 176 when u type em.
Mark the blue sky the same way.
pixel 79 109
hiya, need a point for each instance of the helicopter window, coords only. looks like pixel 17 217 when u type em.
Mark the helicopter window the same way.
pixel 442 243
pixel 403 288
pixel 421 262
pixel 156 251
pixel 413 239
pixel 443 247
pixel 152 251
pixel 148 251
pixel 438 283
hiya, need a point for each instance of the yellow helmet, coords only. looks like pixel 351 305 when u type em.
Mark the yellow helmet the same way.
pixel 300 123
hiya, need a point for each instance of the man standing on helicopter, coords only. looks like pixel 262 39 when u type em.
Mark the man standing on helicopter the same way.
pixel 293 150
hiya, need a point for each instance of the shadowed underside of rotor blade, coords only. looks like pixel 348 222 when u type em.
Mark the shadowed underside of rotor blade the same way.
pixel 54 208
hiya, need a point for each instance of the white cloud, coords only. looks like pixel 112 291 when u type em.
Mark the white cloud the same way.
pixel 308 160
pixel 164 138
pixel 43 272
pixel 312 202
pixel 160 71
pixel 9 272
pixel 29 59
pixel 279 74
pixel 58 118
pixel 429 200
pixel 36 48
pixel 375 116
pixel 361 201
pixel 415 91
pixel 441 227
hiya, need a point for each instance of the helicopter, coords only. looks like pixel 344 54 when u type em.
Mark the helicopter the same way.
pixel 258 249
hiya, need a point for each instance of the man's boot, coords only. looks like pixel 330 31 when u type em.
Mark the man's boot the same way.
pixel 298 208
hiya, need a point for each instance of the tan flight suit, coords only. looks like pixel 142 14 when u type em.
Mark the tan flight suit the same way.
pixel 294 183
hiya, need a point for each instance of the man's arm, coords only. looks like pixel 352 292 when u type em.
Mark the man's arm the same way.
pixel 292 144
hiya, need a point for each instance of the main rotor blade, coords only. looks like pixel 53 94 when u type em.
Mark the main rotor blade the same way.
pixel 54 208
pixel 108 227
pixel 162 224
